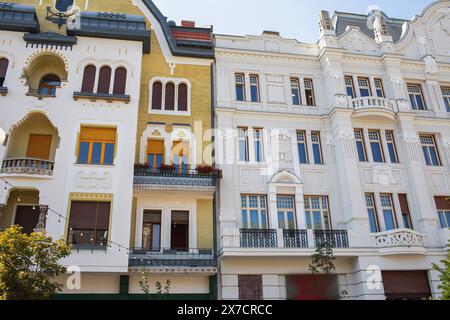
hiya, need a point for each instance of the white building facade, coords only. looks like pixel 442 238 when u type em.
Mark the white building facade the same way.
pixel 345 142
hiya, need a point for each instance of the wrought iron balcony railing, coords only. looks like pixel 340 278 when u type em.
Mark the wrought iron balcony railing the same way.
pixel 27 166
pixel 333 238
pixel 38 93
pixel 101 96
pixel 189 258
pixel 147 176
pixel 258 238
pixel 295 238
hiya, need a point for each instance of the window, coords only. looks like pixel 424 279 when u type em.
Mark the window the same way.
pixel 254 88
pixel 317 213
pixel 391 146
pixel 286 212
pixel 89 79
pixel 151 230
pixel 240 87
pixel 97 146
pixel 443 207
pixel 27 217
pixel 375 146
pixel 416 97
pixel 258 144
pixel 379 88
pixel 254 211
pixel 360 145
pixel 49 84
pixel 120 81
pixel 388 211
pixel 182 97
pixel 155 154
pixel 406 216
pixel 179 231
pixel 39 146
pixel 302 147
pixel 3 69
pixel 317 147
pixel 63 5
pixel 157 96
pixel 309 92
pixel 445 93
pixel 104 80
pixel 250 287
pixel 243 144
pixel 349 87
pixel 170 96
pixel 295 90
pixel 180 156
pixel 372 212
pixel 430 151
pixel 364 87
pixel 89 223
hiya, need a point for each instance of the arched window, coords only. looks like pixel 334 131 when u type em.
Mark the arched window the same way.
pixel 48 84
pixel 88 79
pixel 104 80
pixel 120 80
pixel 170 96
pixel 63 5
pixel 182 97
pixel 3 68
pixel 157 96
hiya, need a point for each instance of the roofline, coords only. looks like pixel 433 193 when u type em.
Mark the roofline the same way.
pixel 365 16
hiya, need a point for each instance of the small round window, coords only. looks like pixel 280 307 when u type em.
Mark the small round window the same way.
pixel 63 5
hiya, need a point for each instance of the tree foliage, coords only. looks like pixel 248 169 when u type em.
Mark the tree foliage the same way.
pixel 145 287
pixel 444 275
pixel 28 264
pixel 322 261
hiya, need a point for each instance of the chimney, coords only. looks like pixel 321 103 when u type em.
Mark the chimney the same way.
pixel 325 25
pixel 188 24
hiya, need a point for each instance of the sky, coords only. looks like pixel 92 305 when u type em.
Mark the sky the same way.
pixel 295 19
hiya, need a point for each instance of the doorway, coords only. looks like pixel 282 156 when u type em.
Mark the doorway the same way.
pixel 151 230
pixel 27 217
pixel 179 239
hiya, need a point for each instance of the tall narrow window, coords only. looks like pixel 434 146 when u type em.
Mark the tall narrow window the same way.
pixel 349 87
pixel 104 80
pixel 120 81
pixel 445 94
pixel 360 145
pixel 406 216
pixel 170 96
pixel 89 79
pixel 391 146
pixel 388 211
pixel 375 146
pixel 317 213
pixel 254 87
pixel 182 97
pixel 254 211
pixel 97 146
pixel 155 154
pixel 317 147
pixel 309 92
pixel 157 96
pixel 372 212
pixel 443 208
pixel 180 156
pixel 258 144
pixel 286 212
pixel 364 87
pixel 179 231
pixel 151 230
pixel 416 96
pixel 243 144
pixel 240 86
pixel 379 88
pixel 430 151
pixel 302 147
pixel 295 91
pixel 3 69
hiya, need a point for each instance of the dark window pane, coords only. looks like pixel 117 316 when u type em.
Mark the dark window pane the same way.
pixel 89 79
pixel 376 152
pixel 83 153
pixel 120 81
pixel 255 95
pixel 157 96
pixel 350 92
pixel 302 153
pixel 239 93
pixel 295 97
pixel 182 97
pixel 373 221
pixel 361 153
pixel 317 154
pixel 434 156
pixel 170 96
pixel 104 79
pixel 365 92
pixel 392 153
pixel 420 105
pixel 389 219
pixel 380 93
pixel 426 155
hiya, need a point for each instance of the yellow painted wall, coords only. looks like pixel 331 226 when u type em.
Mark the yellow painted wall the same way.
pixel 204 224
pixel 26 197
pixel 133 223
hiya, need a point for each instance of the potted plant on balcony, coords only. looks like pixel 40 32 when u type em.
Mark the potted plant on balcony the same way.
pixel 167 168
pixel 209 170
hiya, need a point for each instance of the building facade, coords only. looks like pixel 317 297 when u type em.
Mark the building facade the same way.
pixel 343 143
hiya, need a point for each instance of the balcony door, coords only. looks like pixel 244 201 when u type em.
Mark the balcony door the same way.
pixel 179 239
pixel 27 217
pixel 151 230
pixel 39 146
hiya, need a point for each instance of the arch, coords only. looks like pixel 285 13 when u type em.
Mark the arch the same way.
pixel 182 97
pixel 120 81
pixel 63 5
pixel 104 79
pixel 89 78
pixel 285 176
pixel 170 96
pixel 42 64
pixel 3 69
pixel 151 132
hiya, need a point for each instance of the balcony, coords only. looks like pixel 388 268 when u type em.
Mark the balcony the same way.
pixel 373 107
pixel 332 238
pixel 27 166
pixel 41 94
pixel 259 238
pixel 92 96
pixel 400 241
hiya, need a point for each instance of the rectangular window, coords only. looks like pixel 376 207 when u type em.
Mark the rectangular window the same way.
pixel 254 87
pixel 388 211
pixel 446 95
pixel 254 211
pixel 155 154
pixel 243 144
pixel 375 146
pixel 286 212
pixel 181 156
pixel 372 212
pixel 350 87
pixel 151 230
pixel 364 87
pixel 406 216
pixel 295 90
pixel 96 146
pixel 39 146
pixel 391 146
pixel 360 145
pixel 240 86
pixel 443 208
pixel 302 147
pixel 416 96
pixel 379 88
pixel 430 151
pixel 89 223
pixel 179 230
pixel 317 213
pixel 258 144
pixel 317 147
pixel 309 92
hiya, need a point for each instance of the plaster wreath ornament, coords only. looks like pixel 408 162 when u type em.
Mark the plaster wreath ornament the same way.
pixel 382 175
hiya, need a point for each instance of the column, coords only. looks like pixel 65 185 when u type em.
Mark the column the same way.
pixel 356 84
pixel 435 101
pixel 40 227
pixel 373 89
pixel 300 207
pixel 272 203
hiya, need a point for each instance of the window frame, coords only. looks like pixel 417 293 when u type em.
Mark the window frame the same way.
pixel 310 211
pixel 446 96
pixel 91 143
pixel 161 109
pixel 259 210
pixel 363 144
pixel 380 145
pixel 381 87
pixel 305 142
pixel 312 102
pixel 392 208
pixel 416 94
pixel 391 141
pixel 261 144
pixel 285 212
pixel 256 85
pixel 368 87
pixel 296 82
pixel 319 144
pixel 5 63
pixel 427 146
pixel 375 212
pixel 347 86
pixel 155 162
pixel 245 137
pixel 240 84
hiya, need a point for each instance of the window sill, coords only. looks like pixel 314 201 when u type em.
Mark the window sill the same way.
pixel 94 165
pixel 101 96
pixel 170 112
pixel 3 91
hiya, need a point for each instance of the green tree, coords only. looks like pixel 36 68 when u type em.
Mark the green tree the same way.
pixel 322 261
pixel 444 275
pixel 145 287
pixel 28 265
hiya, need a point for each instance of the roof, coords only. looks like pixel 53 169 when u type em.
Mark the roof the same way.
pixel 16 17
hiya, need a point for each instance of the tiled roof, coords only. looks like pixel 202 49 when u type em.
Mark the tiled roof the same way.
pixel 17 17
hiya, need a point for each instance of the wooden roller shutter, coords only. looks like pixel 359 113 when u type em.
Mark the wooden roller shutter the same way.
pixel 406 284
pixel 442 203
pixel 182 97
pixel 104 80
pixel 120 81
pixel 157 96
pixel 170 96
pixel 89 79
pixel 104 134
pixel 39 146
pixel 155 147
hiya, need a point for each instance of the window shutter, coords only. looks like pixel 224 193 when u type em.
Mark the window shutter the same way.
pixel 103 215
pixel 155 146
pixel 182 97
pixel 104 80
pixel 120 80
pixel 3 68
pixel 83 215
pixel 170 96
pixel 442 203
pixel 89 79
pixel 404 284
pixel 90 133
pixel 404 204
pixel 157 96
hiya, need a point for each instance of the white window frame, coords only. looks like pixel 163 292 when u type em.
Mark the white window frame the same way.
pixel 309 211
pixel 164 82
pixel 285 211
pixel 416 93
pixel 254 84
pixel 446 96
pixel 259 208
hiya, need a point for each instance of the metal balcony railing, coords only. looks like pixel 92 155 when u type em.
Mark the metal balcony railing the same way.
pixel 258 238
pixel 190 258
pixel 39 93
pixel 146 176
pixel 295 238
pixel 332 238
pixel 28 166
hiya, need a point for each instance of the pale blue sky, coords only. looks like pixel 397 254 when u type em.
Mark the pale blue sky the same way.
pixel 292 18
